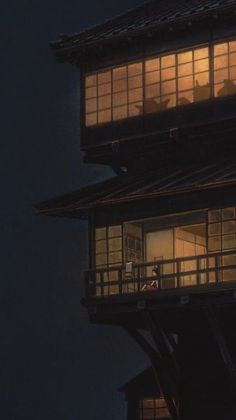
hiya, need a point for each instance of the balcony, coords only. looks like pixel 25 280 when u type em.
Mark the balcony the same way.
pixel 169 274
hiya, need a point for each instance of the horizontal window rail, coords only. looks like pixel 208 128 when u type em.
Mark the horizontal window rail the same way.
pixel 164 274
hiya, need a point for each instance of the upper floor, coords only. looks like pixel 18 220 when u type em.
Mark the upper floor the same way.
pixel 157 73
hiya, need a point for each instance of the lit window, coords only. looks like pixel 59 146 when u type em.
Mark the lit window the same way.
pixel 152 409
pixel 160 83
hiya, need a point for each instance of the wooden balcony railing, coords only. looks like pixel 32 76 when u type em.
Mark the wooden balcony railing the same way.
pixel 165 274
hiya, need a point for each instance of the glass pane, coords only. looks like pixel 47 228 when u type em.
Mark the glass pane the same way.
pixel 185 57
pixel 214 229
pixel 185 69
pixel 152 105
pixel 120 112
pixel 228 241
pixel 152 91
pixel 91 80
pixel 221 75
pixel 201 92
pixel 232 59
pixel 135 95
pixel 214 215
pixel 91 92
pixel 114 231
pixel 228 213
pixel 115 244
pixel 135 109
pixel 134 82
pixel 120 73
pixel 168 101
pixel 119 85
pixel 152 77
pixel 201 65
pixel 202 79
pixel 104 89
pixel 232 46
pixel 220 89
pixel 91 119
pixel 201 53
pixel 185 83
pixel 214 243
pixel 169 73
pixel 221 62
pixel 91 105
pixel 104 102
pixel 168 61
pixel 228 227
pixel 151 65
pixel 232 73
pixel 119 98
pixel 168 87
pixel 221 49
pixel 104 77
pixel 100 233
pixel 115 257
pixel 231 87
pixel 104 116
pixel 101 246
pixel 101 259
pixel 185 97
pixel 134 69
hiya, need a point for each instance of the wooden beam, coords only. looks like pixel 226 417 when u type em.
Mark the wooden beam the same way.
pixel 160 374
pixel 219 338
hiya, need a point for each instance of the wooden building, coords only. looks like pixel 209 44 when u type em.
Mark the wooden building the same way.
pixel 158 105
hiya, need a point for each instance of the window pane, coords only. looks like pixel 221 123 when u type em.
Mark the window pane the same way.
pixel 185 69
pixel 152 91
pixel 104 89
pixel 101 259
pixel 201 53
pixel 185 57
pixel 168 73
pixel 91 92
pixel 91 105
pixel 232 59
pixel 120 98
pixel 228 242
pixel 101 246
pixel 135 95
pixel 134 82
pixel 232 46
pixel 104 102
pixel 168 102
pixel 168 61
pixel 214 229
pixel 91 80
pixel 221 75
pixel 119 85
pixel 134 69
pixel 114 231
pixel 185 83
pixel 151 65
pixel 168 87
pixel 228 213
pixel 115 257
pixel 120 112
pixel 152 105
pixel 221 62
pixel 104 116
pixel 135 109
pixel 119 73
pixel 228 227
pixel 214 243
pixel 91 119
pixel 152 77
pixel 220 49
pixel 100 233
pixel 114 244
pixel 201 65
pixel 232 73
pixel 104 77
pixel 185 97
pixel 201 92
pixel 202 78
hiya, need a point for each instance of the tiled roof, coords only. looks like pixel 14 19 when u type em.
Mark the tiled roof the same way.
pixel 142 186
pixel 150 15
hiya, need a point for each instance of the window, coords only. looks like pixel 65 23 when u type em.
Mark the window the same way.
pixel 152 409
pixel 160 83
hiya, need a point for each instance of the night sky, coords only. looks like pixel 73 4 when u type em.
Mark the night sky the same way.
pixel 59 366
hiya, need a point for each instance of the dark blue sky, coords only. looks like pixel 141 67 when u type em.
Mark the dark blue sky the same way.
pixel 60 367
